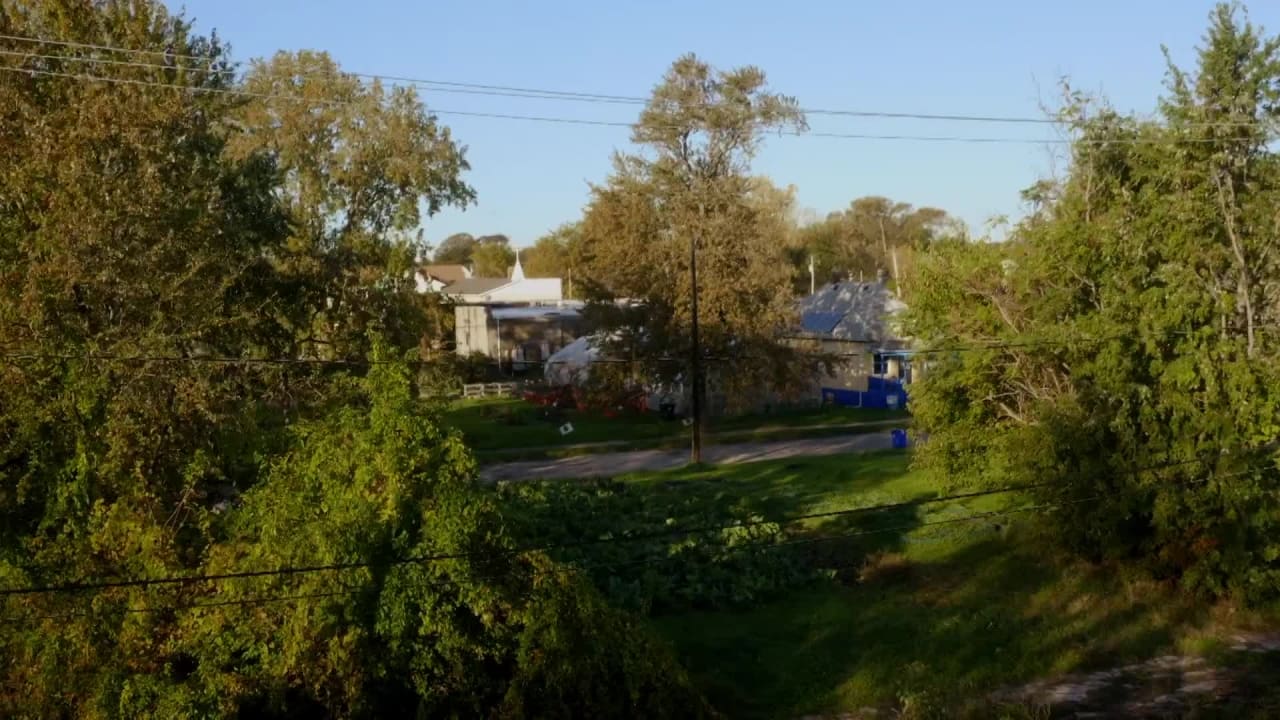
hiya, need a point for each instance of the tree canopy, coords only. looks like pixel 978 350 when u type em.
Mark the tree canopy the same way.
pixel 493 259
pixel 210 337
pixel 874 236
pixel 1121 345
pixel 689 185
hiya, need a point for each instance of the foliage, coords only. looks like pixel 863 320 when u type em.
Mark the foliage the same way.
pixel 1129 323
pixel 169 262
pixel 639 556
pixel 358 164
pixel 493 259
pixel 721 568
pixel 689 186
pixel 455 249
pixel 368 484
pixel 874 237
pixel 556 254
pixel 462 248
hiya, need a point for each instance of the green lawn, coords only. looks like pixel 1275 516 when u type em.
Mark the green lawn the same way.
pixel 928 616
pixel 790 487
pixel 512 424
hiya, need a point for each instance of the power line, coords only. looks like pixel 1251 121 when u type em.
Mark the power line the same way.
pixel 205 359
pixel 608 123
pixel 259 600
pixel 515 91
pixel 429 85
pixel 233 360
pixel 666 532
pixel 331 567
pixel 761 546
pixel 566 95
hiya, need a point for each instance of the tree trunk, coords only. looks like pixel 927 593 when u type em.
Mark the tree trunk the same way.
pixel 1244 284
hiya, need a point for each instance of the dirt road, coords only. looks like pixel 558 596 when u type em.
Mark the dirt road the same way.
pixel 609 464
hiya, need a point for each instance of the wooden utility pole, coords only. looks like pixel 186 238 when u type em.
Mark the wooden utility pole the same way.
pixel 696 359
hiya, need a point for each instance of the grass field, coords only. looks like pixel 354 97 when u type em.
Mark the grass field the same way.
pixel 927 615
pixel 513 424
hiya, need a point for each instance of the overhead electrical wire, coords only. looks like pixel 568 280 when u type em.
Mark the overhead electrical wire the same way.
pixel 659 559
pixel 664 533
pixel 508 90
pixel 607 123
pixel 233 360
pixel 439 557
pixel 545 94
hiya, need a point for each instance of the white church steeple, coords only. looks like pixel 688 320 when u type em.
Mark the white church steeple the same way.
pixel 517 273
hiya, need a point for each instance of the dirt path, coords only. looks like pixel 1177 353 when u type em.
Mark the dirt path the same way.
pixel 1163 687
pixel 608 464
pixel 1242 683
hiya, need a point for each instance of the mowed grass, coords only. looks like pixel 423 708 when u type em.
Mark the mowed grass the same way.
pixel 935 608
pixel 512 424
pixel 781 489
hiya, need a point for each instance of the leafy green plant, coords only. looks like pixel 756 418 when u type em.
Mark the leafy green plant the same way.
pixel 1120 347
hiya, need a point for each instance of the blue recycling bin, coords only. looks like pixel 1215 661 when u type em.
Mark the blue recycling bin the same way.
pixel 899 439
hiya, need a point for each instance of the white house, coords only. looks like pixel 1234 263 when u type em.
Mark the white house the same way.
pixel 502 291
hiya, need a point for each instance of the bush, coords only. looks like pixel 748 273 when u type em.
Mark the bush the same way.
pixel 373 481
pixel 635 556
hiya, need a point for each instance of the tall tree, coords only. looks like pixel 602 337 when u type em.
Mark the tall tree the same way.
pixel 128 237
pixel 690 187
pixel 1118 346
pixel 873 236
pixel 360 164
pixel 556 254
pixel 157 248
pixel 493 259
pixel 455 250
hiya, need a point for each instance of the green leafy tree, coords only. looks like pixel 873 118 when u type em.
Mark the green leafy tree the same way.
pixel 874 236
pixel 692 186
pixel 558 254
pixel 455 250
pixel 487 255
pixel 360 164
pixel 1131 352
pixel 155 244
pixel 128 235
pixel 488 630
pixel 493 260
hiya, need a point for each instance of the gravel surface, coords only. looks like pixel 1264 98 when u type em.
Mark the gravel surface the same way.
pixel 610 464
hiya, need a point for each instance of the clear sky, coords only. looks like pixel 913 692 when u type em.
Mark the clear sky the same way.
pixel 999 57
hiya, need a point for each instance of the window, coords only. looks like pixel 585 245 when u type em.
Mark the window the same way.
pixel 879 365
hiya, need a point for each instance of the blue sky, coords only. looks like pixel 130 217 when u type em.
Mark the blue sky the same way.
pixel 989 58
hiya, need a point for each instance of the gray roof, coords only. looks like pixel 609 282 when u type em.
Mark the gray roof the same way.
pixel 850 311
pixel 475 286
pixel 447 274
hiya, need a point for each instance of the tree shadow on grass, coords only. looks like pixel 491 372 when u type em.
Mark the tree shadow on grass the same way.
pixel 986 615
pixel 711 537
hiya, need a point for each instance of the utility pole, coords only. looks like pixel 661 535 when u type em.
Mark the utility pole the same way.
pixel 696 359
pixel 812 286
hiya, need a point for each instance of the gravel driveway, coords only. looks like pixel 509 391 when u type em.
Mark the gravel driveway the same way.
pixel 617 463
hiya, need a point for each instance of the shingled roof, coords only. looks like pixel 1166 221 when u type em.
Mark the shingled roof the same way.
pixel 447 274
pixel 475 286
pixel 852 311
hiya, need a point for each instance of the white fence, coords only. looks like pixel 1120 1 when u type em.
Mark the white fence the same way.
pixel 483 390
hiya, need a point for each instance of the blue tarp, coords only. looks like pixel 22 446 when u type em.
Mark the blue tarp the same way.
pixel 878 394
